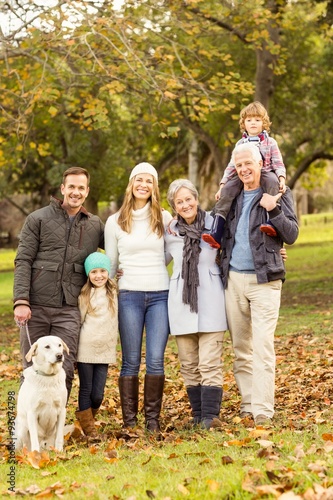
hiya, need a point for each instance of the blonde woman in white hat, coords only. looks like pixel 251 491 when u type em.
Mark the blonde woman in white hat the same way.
pixel 135 244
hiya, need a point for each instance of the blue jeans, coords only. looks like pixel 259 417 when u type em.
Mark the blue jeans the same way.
pixel 92 383
pixel 136 311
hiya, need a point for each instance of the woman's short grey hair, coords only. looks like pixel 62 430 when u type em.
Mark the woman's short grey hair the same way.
pixel 175 186
pixel 247 146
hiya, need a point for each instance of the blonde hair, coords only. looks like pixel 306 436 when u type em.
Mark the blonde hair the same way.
pixel 111 293
pixel 254 109
pixel 125 212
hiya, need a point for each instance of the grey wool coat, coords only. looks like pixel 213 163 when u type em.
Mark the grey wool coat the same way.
pixel 211 316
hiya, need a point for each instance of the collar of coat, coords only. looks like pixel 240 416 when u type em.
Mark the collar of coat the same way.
pixel 60 202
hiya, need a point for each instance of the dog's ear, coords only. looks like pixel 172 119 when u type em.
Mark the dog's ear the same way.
pixel 32 352
pixel 65 346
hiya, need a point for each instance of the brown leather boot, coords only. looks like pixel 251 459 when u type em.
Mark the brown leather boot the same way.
pixel 129 399
pixel 86 419
pixel 153 394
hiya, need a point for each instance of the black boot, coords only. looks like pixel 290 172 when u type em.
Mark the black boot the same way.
pixel 194 395
pixel 153 394
pixel 215 236
pixel 129 399
pixel 211 398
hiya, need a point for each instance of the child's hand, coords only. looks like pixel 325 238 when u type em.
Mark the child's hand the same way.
pixel 218 193
pixel 282 187
pixel 284 255
pixel 119 274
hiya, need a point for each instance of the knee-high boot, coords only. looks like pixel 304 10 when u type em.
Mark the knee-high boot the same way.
pixel 194 396
pixel 211 398
pixel 153 394
pixel 129 398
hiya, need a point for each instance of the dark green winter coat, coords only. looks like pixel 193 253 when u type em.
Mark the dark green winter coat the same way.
pixel 49 262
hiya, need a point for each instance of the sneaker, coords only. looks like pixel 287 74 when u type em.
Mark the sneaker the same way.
pixel 262 420
pixel 208 238
pixel 268 229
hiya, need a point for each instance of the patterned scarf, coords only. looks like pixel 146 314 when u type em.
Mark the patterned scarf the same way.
pixel 191 250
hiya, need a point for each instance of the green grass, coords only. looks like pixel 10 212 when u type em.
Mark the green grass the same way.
pixel 6 289
pixel 234 461
pixel 7 259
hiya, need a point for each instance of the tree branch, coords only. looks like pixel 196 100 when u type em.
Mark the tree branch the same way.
pixel 305 163
pixel 218 22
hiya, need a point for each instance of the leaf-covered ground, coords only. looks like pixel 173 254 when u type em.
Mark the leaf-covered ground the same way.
pixel 304 400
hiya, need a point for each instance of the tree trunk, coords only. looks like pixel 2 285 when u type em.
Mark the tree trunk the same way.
pixel 193 160
pixel 264 79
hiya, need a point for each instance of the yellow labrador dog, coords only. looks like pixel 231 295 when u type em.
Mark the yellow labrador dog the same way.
pixel 41 405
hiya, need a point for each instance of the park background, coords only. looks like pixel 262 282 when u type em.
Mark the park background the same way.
pixel 104 85
pixel 84 83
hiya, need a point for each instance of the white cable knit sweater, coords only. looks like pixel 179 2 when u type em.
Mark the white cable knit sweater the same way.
pixel 99 331
pixel 140 254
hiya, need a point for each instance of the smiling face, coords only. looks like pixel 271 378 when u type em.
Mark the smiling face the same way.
pixel 143 185
pixel 253 125
pixel 186 205
pixel 248 169
pixel 98 277
pixel 75 191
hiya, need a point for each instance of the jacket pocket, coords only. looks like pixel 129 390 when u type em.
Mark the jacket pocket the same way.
pixel 274 260
pixel 174 283
pixel 78 277
pixel 175 277
pixel 44 278
pixel 40 268
pixel 215 274
pixel 79 268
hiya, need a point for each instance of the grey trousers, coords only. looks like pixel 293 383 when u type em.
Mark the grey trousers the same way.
pixel 64 322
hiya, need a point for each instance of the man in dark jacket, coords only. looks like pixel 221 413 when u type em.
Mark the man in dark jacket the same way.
pixel 49 272
pixel 252 274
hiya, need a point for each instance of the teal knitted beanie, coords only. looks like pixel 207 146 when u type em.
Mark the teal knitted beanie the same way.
pixel 97 260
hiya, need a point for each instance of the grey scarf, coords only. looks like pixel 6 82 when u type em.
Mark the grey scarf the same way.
pixel 191 250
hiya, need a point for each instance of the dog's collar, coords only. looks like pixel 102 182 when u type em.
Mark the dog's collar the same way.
pixel 38 372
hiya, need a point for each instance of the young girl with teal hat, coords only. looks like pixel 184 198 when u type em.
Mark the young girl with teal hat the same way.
pixel 98 306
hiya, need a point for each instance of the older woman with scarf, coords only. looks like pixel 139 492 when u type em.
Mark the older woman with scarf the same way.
pixel 196 303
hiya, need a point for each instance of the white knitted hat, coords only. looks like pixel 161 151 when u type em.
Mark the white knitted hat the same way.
pixel 144 168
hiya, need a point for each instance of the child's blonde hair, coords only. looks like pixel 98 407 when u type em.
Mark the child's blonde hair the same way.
pixel 125 212
pixel 111 293
pixel 254 109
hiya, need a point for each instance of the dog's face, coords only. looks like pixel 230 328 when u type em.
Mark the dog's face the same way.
pixel 47 353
